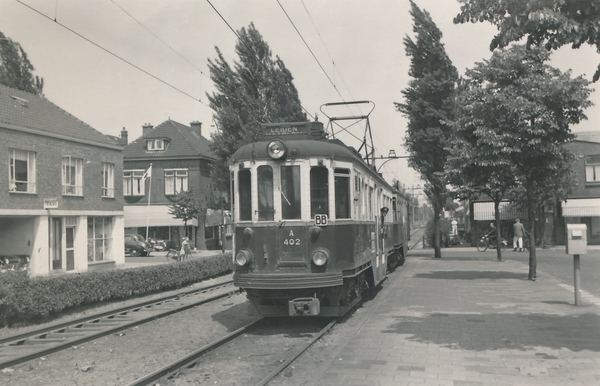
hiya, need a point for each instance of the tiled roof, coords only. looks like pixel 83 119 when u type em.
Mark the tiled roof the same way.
pixel 20 109
pixel 182 142
pixel 589 136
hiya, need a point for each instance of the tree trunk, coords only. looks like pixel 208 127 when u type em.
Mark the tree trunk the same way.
pixel 436 234
pixel 498 236
pixel 531 215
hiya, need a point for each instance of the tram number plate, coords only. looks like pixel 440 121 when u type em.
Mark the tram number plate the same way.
pixel 320 219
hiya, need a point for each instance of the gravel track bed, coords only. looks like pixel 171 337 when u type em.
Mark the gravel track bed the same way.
pixel 125 356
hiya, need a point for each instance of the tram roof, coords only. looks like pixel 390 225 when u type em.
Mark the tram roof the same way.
pixel 303 149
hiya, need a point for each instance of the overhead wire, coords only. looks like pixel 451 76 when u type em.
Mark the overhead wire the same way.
pixel 333 61
pixel 248 47
pixel 115 55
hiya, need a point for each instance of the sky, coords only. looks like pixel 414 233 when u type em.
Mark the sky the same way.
pixel 153 64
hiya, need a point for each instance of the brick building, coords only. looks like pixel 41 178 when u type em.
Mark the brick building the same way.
pixel 59 200
pixel 180 159
pixel 583 204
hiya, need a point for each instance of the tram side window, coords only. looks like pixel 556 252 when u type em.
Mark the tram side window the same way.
pixel 290 193
pixel 266 210
pixel 342 193
pixel 245 195
pixel 319 191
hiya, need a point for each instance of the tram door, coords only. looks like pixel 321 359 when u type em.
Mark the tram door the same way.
pixel 56 243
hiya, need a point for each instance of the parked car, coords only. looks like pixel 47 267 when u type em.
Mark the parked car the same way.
pixel 137 245
pixel 14 263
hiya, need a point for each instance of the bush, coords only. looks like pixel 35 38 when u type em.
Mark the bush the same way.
pixel 25 300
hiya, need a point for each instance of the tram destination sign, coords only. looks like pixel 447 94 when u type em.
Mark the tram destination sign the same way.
pixel 294 130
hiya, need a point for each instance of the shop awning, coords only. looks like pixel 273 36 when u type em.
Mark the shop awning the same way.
pixel 483 211
pixel 153 215
pixel 581 207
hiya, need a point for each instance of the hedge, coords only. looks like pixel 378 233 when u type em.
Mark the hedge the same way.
pixel 25 300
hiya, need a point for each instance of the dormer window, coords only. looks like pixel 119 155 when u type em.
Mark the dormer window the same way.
pixel 155 145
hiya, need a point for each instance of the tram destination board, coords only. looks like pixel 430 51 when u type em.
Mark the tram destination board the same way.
pixel 295 130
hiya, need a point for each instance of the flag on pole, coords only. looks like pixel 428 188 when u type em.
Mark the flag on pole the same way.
pixel 147 174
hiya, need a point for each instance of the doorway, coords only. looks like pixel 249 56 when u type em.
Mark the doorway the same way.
pixel 56 243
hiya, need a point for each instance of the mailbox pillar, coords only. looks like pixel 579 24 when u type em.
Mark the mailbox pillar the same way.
pixel 576 245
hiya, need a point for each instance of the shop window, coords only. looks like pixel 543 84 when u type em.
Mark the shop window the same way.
pixel 100 231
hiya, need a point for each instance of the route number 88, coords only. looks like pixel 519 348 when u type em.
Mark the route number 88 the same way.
pixel 320 219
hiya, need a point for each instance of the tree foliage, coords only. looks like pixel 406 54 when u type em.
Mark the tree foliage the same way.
pixel 514 119
pixel 16 70
pixel 256 89
pixel 547 23
pixel 187 206
pixel 429 103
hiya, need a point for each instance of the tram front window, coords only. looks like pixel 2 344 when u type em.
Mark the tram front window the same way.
pixel 266 210
pixel 342 193
pixel 245 195
pixel 290 193
pixel 319 191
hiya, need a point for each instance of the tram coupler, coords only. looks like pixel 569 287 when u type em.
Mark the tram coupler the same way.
pixel 304 307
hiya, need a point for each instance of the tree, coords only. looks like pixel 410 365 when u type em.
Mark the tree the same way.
pixel 548 23
pixel 429 103
pixel 517 115
pixel 479 161
pixel 16 69
pixel 257 89
pixel 188 206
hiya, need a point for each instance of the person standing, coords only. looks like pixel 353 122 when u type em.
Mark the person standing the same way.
pixel 518 233
pixel 185 249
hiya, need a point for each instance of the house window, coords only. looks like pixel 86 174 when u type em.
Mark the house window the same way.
pixel 99 238
pixel 22 171
pixel 72 176
pixel 176 181
pixel 108 180
pixel 592 169
pixel 155 144
pixel 133 183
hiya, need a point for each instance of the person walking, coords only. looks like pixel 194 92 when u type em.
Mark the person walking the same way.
pixel 518 233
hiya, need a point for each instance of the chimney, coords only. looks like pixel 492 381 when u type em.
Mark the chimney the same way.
pixel 124 137
pixel 196 127
pixel 146 127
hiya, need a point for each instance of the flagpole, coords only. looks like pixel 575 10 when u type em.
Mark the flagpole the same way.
pixel 148 211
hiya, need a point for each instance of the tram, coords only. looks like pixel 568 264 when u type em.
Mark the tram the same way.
pixel 314 224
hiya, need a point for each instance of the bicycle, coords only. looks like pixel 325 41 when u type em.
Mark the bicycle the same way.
pixel 174 254
pixel 484 244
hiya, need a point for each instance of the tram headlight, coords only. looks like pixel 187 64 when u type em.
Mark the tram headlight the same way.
pixel 320 257
pixel 276 149
pixel 243 257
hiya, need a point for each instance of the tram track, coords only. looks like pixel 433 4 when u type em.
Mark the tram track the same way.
pixel 194 359
pixel 20 348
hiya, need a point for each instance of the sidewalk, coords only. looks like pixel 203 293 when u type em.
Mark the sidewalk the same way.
pixel 466 321
pixel 157 258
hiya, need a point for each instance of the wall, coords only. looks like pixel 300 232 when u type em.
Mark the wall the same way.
pixel 49 153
